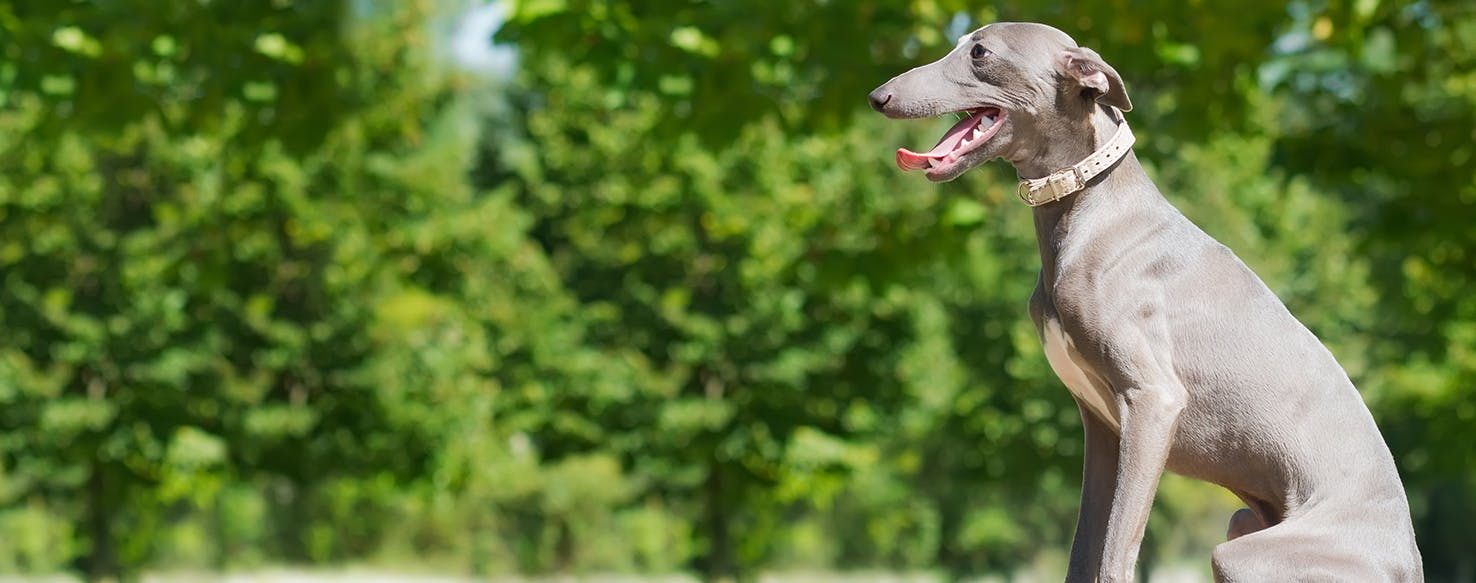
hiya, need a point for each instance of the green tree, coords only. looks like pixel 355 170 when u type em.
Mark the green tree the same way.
pixel 193 258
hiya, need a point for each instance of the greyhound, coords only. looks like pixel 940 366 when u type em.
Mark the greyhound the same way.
pixel 1177 355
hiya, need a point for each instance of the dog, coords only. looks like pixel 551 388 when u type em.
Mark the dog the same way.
pixel 1178 356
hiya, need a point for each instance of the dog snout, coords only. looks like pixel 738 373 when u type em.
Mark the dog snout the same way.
pixel 879 97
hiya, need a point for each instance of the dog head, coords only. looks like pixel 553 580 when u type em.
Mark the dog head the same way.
pixel 1016 84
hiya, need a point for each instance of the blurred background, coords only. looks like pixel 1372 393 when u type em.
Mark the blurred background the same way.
pixel 580 288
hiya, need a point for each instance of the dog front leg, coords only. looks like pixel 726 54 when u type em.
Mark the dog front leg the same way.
pixel 1098 481
pixel 1148 414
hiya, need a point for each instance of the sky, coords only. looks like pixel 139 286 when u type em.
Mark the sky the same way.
pixel 470 39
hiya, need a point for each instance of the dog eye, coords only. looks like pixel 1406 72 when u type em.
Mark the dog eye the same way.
pixel 979 52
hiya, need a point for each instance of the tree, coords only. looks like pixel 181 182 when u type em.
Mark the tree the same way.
pixel 194 256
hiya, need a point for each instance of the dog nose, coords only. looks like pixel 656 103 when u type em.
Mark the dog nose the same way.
pixel 879 97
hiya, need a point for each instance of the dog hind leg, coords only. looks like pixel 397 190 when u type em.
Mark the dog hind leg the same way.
pixel 1242 523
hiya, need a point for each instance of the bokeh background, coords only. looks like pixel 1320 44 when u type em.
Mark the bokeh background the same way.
pixel 577 287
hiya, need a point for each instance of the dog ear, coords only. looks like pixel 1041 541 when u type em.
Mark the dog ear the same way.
pixel 1087 69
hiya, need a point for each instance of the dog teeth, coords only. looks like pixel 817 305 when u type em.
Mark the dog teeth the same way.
pixel 932 163
pixel 978 131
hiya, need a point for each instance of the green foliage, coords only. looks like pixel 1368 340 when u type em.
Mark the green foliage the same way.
pixel 278 283
pixel 810 64
pixel 279 62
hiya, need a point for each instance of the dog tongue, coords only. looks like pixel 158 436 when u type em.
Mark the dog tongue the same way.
pixel 910 160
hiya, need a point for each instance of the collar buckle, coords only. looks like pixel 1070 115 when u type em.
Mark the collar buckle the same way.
pixel 1055 187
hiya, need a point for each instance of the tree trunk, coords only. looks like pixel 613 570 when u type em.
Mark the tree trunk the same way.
pixel 719 560
pixel 101 560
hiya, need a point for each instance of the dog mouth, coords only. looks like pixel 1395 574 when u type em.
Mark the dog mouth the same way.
pixel 977 126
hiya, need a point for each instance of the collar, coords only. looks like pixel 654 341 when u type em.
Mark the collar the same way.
pixel 1049 189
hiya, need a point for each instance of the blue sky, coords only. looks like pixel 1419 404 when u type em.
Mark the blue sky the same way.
pixel 470 39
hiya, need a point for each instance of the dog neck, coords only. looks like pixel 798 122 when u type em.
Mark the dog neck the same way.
pixel 1086 214
pixel 1052 156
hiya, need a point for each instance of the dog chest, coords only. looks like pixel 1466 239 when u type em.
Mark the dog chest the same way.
pixel 1070 367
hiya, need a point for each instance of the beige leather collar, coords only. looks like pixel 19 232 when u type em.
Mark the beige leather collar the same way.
pixel 1049 189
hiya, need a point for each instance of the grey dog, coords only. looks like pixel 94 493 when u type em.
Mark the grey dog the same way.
pixel 1178 356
